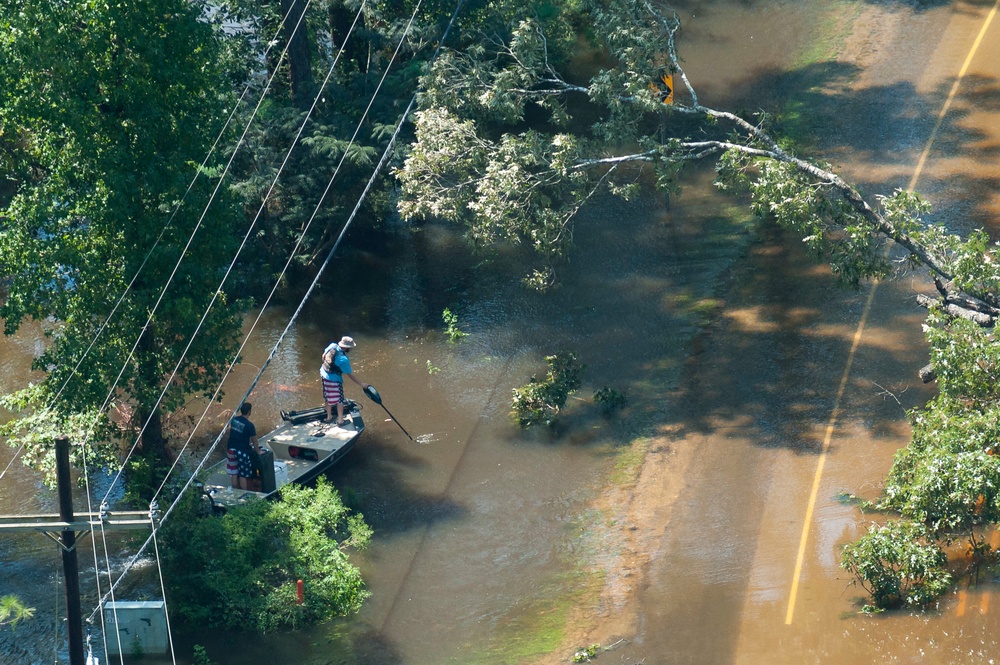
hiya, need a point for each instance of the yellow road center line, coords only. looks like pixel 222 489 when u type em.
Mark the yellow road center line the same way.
pixel 951 96
pixel 963 598
pixel 831 424
pixel 984 606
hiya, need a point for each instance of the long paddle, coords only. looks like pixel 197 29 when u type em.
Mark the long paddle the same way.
pixel 375 397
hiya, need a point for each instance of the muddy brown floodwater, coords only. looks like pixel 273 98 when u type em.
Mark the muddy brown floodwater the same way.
pixel 671 531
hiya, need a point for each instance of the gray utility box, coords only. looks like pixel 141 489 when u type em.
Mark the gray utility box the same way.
pixel 141 627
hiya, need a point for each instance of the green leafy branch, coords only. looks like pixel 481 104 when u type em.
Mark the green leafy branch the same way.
pixel 539 401
pixel 13 611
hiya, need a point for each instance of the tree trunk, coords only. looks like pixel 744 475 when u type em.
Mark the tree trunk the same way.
pixel 299 65
pixel 152 441
pixel 952 309
pixel 340 20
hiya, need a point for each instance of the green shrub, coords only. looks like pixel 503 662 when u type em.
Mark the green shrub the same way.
pixel 451 329
pixel 538 402
pixel 898 564
pixel 610 400
pixel 240 570
pixel 201 656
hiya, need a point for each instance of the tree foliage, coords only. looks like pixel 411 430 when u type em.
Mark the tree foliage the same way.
pixel 106 109
pixel 898 564
pixel 240 570
pixel 337 58
pixel 948 477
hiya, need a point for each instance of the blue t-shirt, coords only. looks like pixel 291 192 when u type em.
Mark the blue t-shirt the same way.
pixel 240 431
pixel 340 359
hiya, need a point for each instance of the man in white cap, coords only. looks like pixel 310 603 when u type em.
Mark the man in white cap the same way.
pixel 336 366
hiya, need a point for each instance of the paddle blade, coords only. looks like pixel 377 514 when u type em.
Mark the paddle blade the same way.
pixel 373 395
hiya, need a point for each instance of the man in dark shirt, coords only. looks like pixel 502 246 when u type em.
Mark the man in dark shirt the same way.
pixel 242 448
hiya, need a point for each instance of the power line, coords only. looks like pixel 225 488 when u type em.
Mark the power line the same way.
pixel 277 344
pixel 163 590
pixel 239 251
pixel 97 567
pixel 291 257
pixel 177 207
pixel 55 623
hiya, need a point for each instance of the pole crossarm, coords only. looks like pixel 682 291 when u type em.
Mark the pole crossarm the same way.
pixel 45 523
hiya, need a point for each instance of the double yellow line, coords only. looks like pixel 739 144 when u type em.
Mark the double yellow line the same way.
pixel 831 424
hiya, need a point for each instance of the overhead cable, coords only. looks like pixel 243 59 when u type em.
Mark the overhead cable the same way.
pixel 385 157
pixel 198 172
pixel 229 269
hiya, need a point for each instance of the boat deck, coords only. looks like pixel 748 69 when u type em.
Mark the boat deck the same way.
pixel 301 453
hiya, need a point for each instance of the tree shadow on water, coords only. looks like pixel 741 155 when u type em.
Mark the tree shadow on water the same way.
pixel 371 482
pixel 887 127
pixel 769 371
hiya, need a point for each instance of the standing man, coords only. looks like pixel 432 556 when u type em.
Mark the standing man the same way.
pixel 336 365
pixel 242 443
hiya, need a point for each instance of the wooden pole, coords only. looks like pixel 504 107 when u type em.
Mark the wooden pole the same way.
pixel 71 572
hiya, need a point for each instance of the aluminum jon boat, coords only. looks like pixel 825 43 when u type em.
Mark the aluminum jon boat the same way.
pixel 297 451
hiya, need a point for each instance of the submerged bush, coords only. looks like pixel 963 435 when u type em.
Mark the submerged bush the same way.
pixel 539 401
pixel 610 400
pixel 240 570
pixel 452 331
pixel 898 564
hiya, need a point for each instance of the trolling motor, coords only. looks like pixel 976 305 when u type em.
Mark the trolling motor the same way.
pixel 375 397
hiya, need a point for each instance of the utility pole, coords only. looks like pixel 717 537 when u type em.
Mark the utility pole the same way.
pixel 66 524
pixel 71 572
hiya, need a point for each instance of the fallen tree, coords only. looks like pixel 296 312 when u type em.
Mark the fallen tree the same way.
pixel 474 162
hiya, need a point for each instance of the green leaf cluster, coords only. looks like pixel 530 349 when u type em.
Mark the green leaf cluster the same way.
pixel 240 570
pixel 944 485
pixel 830 227
pixel 610 399
pixel 105 107
pixel 539 401
pixel 509 146
pixel 13 611
pixel 898 564
pixel 36 425
pixel 452 331
pixel 521 189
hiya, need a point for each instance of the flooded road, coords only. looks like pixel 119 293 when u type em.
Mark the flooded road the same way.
pixel 497 546
pixel 801 391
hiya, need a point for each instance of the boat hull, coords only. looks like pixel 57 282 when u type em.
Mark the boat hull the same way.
pixel 301 449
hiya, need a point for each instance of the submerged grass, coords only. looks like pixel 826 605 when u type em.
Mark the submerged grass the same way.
pixel 829 36
pixel 628 462
pixel 538 627
pixel 800 115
